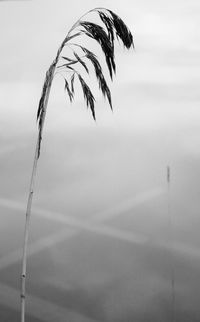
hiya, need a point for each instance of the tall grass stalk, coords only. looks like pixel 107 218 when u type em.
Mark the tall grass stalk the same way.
pixel 111 27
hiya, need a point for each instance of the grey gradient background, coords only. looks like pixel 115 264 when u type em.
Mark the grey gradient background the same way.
pixel 102 247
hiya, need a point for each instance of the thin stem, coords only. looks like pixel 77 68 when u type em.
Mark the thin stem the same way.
pixel 26 234
pixel 50 73
pixel 30 198
pixel 41 117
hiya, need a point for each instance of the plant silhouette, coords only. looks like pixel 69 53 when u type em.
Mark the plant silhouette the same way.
pixel 111 27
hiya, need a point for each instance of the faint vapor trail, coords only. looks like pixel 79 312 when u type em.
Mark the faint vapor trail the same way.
pixel 46 310
pixel 76 226
pixel 36 247
pixel 128 205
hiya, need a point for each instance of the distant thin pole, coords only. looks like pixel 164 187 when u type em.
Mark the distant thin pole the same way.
pixel 171 235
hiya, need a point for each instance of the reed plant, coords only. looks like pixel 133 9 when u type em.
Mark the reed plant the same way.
pixel 109 28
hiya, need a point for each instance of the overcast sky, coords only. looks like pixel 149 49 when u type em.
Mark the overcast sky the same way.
pixel 165 64
pixel 155 96
pixel 87 169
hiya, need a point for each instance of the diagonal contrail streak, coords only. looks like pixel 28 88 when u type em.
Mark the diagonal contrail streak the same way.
pixel 95 225
pixel 47 311
pixel 76 226
pixel 52 312
pixel 36 247
pixel 127 205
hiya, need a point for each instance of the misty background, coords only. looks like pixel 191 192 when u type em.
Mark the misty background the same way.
pixel 104 242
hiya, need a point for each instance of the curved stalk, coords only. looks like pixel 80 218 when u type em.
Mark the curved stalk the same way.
pixel 49 73
pixel 29 205
pixel 106 41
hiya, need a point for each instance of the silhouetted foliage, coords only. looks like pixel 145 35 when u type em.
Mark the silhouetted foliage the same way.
pixel 113 28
